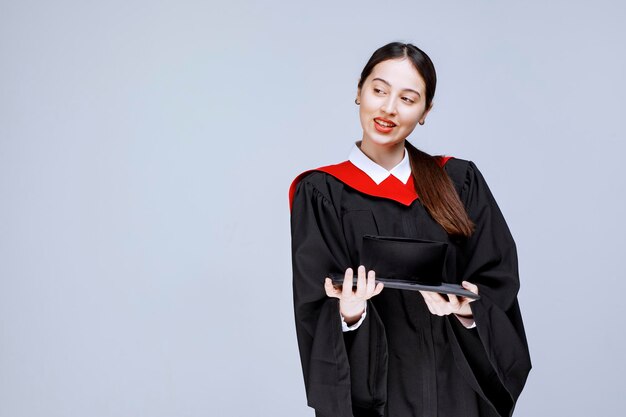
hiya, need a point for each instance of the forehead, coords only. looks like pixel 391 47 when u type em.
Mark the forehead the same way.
pixel 400 73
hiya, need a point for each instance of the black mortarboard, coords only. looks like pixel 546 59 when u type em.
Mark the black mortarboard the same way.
pixel 406 264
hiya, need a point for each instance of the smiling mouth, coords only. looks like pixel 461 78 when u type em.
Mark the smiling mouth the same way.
pixel 383 123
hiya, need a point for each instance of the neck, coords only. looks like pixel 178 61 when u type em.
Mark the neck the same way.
pixel 385 156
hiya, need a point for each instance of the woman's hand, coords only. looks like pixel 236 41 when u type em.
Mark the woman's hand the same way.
pixel 352 303
pixel 457 305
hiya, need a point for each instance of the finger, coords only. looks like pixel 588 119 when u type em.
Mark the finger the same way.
pixel 371 283
pixel 428 296
pixel 346 291
pixel 440 305
pixel 428 301
pixel 454 302
pixel 331 291
pixel 437 298
pixel 465 310
pixel 469 286
pixel 379 288
pixel 361 286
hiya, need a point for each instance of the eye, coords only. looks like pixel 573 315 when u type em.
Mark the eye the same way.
pixel 378 90
pixel 408 100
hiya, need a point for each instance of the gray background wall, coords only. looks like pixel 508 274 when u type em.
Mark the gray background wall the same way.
pixel 146 150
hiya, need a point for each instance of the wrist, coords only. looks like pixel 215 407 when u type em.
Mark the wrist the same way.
pixel 466 321
pixel 352 314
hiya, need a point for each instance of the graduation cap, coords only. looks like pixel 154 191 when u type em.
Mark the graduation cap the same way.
pixel 406 264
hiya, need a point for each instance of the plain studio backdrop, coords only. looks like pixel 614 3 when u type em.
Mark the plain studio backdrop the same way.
pixel 147 147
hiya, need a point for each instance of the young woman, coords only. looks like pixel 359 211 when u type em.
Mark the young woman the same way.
pixel 372 351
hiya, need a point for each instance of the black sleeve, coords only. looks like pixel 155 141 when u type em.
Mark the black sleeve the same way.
pixel 318 247
pixel 493 356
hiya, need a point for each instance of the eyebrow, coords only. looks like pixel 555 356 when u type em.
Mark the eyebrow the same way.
pixel 406 89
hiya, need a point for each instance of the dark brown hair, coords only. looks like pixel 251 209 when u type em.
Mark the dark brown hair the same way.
pixel 432 184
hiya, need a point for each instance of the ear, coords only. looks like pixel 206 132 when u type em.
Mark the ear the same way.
pixel 423 118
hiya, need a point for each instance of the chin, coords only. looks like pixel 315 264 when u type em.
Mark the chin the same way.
pixel 381 140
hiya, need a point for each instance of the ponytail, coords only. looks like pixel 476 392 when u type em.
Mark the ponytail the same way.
pixel 437 193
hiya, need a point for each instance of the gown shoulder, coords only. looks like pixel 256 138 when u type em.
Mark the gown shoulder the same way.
pixel 321 183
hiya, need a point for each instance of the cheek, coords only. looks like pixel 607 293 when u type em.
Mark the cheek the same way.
pixel 364 117
pixel 362 113
pixel 366 111
pixel 367 106
pixel 410 118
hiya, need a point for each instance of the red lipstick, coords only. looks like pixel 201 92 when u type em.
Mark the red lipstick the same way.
pixel 381 128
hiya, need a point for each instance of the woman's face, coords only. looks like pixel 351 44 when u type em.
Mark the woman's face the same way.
pixel 395 92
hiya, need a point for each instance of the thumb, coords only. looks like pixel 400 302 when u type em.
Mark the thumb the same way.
pixel 469 286
pixel 454 301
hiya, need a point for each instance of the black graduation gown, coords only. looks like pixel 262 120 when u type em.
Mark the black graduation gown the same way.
pixel 404 361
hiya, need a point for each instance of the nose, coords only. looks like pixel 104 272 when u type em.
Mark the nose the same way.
pixel 389 106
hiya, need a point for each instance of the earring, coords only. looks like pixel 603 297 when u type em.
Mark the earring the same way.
pixel 421 123
pixel 356 102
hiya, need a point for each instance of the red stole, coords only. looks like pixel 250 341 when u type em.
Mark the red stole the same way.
pixel 346 172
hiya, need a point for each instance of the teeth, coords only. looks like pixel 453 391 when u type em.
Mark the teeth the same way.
pixel 380 122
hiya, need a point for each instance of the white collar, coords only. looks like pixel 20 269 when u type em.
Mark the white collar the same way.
pixel 402 171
